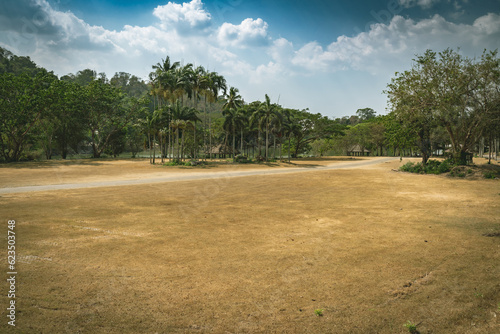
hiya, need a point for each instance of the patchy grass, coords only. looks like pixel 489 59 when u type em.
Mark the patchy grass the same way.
pixel 487 171
pixel 369 247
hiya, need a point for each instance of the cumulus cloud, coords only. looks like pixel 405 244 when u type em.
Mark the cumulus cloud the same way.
pixel 244 53
pixel 186 17
pixel 249 32
pixel 384 46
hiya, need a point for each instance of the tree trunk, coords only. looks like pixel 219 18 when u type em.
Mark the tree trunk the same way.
pixel 241 144
pixel 274 148
pixel 154 148
pixel 267 140
pixel 234 144
pixel 195 155
pixel 289 147
pixel 490 148
pixel 149 141
pixel 258 143
pixel 182 146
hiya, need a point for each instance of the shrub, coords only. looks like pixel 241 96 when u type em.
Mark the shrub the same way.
pixel 489 175
pixel 240 158
pixel 432 167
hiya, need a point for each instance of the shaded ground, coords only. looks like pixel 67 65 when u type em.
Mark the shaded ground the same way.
pixel 259 254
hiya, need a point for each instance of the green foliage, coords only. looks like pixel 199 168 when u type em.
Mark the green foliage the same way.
pixel 447 91
pixel 432 167
pixel 489 175
pixel 24 101
pixel 242 159
pixel 411 327
pixel 318 312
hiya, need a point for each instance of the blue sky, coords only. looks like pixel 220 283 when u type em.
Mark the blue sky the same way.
pixel 332 57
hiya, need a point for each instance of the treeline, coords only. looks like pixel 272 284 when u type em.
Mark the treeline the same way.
pixel 182 112
pixel 187 112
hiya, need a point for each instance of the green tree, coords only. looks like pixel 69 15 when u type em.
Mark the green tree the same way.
pixel 447 90
pixel 24 101
pixel 105 115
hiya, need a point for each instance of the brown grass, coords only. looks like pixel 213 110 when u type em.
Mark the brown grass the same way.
pixel 371 247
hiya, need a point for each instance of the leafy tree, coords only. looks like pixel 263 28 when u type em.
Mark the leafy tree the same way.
pixel 23 102
pixel 129 84
pixel 105 115
pixel 366 114
pixel 450 91
pixel 10 63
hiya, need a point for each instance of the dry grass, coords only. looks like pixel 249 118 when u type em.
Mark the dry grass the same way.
pixel 371 247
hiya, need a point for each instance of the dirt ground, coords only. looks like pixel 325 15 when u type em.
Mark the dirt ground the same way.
pixel 370 247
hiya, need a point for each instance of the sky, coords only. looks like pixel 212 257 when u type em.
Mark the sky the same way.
pixel 330 56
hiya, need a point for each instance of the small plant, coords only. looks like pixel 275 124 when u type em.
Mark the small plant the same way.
pixel 489 175
pixel 411 327
pixel 318 312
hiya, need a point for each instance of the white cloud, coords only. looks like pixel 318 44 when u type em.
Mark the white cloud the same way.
pixel 244 53
pixel 249 33
pixel 385 46
pixel 185 17
pixel 422 3
pixel 488 24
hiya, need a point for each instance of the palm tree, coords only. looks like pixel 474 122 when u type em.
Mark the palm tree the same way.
pixel 176 126
pixel 159 79
pixel 268 112
pixel 233 100
pixel 180 115
pixel 199 80
pixel 234 119
pixel 243 121
pixel 229 110
pixel 215 84
pixel 257 120
pixel 276 126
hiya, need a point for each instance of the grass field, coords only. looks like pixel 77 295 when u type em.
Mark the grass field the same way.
pixel 370 247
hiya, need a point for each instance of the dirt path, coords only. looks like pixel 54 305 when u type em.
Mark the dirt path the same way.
pixel 174 177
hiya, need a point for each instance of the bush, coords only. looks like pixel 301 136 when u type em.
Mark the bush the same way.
pixel 240 158
pixel 489 175
pixel 432 167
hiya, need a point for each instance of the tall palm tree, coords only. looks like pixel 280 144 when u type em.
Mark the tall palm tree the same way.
pixel 234 120
pixel 257 120
pixel 159 79
pixel 199 80
pixel 268 112
pixel 276 127
pixel 180 115
pixel 243 121
pixel 215 84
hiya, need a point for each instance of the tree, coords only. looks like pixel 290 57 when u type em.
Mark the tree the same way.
pixel 366 114
pixel 232 120
pixel 268 112
pixel 105 115
pixel 450 91
pixel 24 100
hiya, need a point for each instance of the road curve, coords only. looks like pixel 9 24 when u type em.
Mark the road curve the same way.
pixel 193 177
